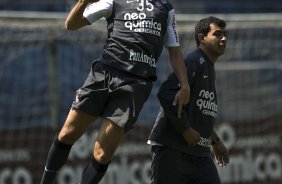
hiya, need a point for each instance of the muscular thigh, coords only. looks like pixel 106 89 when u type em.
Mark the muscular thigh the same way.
pixel 109 137
pixel 76 124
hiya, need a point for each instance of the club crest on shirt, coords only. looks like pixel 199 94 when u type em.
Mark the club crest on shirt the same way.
pixel 77 95
pixel 202 60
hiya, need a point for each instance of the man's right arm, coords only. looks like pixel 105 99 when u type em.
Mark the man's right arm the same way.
pixel 75 19
pixel 86 12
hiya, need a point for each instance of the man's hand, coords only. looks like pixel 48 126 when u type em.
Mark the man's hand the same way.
pixel 220 153
pixel 191 136
pixel 181 98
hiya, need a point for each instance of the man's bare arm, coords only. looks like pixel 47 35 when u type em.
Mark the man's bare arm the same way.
pixel 177 62
pixel 75 19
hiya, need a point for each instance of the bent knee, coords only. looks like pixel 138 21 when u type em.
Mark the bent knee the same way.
pixel 67 136
pixel 102 156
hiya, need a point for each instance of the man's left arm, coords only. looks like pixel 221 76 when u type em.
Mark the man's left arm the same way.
pixel 177 62
pixel 176 59
pixel 220 152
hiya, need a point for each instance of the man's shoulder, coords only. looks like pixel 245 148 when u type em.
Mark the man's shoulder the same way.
pixel 196 57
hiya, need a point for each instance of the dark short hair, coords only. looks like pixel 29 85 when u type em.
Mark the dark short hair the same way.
pixel 203 26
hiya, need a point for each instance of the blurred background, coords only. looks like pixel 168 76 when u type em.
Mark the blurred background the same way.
pixel 42 65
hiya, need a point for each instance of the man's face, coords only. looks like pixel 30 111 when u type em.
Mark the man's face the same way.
pixel 215 41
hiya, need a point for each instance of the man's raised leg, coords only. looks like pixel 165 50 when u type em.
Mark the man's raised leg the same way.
pixel 110 135
pixel 76 124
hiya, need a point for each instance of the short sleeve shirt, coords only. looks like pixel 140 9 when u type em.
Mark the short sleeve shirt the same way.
pixel 137 32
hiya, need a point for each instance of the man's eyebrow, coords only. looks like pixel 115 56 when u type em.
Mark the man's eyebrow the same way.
pixel 221 31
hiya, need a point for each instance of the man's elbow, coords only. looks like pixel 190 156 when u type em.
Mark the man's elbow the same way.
pixel 70 26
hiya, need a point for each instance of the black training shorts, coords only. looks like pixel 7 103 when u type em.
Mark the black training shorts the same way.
pixel 113 94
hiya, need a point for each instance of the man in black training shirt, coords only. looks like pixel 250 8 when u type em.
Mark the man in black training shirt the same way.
pixel 120 81
pixel 181 146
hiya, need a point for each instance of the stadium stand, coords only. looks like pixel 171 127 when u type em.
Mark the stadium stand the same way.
pixel 42 64
pixel 32 53
pixel 230 6
pixel 34 5
pixel 182 6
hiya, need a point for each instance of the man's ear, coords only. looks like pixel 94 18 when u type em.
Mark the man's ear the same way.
pixel 201 38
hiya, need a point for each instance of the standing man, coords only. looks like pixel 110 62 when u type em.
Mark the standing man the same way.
pixel 181 146
pixel 120 81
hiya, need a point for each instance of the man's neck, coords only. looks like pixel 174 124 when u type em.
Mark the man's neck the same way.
pixel 212 57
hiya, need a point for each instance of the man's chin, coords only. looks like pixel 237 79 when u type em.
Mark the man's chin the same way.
pixel 221 50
